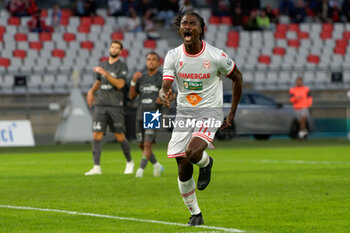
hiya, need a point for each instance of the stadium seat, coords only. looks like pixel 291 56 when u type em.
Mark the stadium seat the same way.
pixel 98 20
pixel 45 36
pixel 84 29
pixel 19 53
pixel 5 62
pixel 152 44
pixel 2 29
pixel 264 59
pixel 124 53
pixel 340 50
pixel 68 37
pixel 325 35
pixel 117 36
pixel 21 37
pixel 280 35
pixel 15 21
pixel 303 35
pixel 37 45
pixel 312 58
pixel 279 51
pixel 346 35
pixel 214 20
pixel 58 53
pixel 102 59
pixel 64 21
pixel 282 27
pixel 294 43
pixel 293 27
pixel 327 27
pixel 85 21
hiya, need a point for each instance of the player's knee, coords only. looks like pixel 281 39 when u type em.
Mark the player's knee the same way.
pixel 147 145
pixel 193 154
pixel 119 137
pixel 97 136
pixel 141 146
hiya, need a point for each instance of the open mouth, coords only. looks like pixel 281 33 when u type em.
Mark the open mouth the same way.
pixel 187 36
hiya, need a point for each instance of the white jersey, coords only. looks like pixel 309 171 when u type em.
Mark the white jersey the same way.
pixel 198 76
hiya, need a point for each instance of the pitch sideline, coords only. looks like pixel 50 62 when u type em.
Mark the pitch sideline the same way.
pixel 117 217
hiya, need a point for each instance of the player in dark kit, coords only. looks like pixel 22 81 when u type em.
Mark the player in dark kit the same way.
pixel 147 85
pixel 107 95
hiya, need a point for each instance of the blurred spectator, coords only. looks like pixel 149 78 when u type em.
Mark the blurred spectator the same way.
pixel 17 8
pixel 134 22
pixel 143 6
pixel 334 10
pixel 219 8
pixel 31 7
pixel 36 24
pixel 236 12
pixel 79 8
pixel 252 21
pixel 271 13
pixel 324 11
pixel 185 5
pixel 55 15
pixel 90 8
pixel 287 7
pixel 346 9
pixel 148 22
pixel 263 20
pixel 115 7
pixel 299 12
pixel 248 6
pixel 167 11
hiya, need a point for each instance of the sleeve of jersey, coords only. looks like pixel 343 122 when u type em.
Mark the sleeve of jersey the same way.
pixel 226 64
pixel 123 73
pixel 169 67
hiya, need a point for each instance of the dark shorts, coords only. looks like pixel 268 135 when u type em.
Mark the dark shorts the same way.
pixel 144 135
pixel 113 117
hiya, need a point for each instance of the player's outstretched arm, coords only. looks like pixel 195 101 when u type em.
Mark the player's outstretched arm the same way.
pixel 166 92
pixel 116 82
pixel 237 83
pixel 90 97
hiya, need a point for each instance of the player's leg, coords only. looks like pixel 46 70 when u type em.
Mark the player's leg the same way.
pixel 187 188
pixel 196 153
pixel 302 114
pixel 125 145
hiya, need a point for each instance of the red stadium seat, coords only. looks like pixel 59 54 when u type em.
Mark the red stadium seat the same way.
pixel 327 27
pixel 151 44
pixel 44 13
pixel 84 29
pixel 2 30
pixel 214 20
pixel 232 43
pixel 58 53
pixel 282 27
pixel 342 43
pixel 87 45
pixel 20 53
pixel 313 58
pixel 104 59
pixel 45 36
pixel 98 20
pixel 37 45
pixel 68 37
pixel 64 21
pixel 1 39
pixel 264 59
pixel 340 50
pixel 5 62
pixel 325 35
pixel 66 13
pixel 279 51
pixel 15 21
pixel 303 35
pixel 124 53
pixel 227 20
pixel 293 27
pixel 86 21
pixel 280 35
pixel 117 36
pixel 346 35
pixel 233 35
pixel 294 43
pixel 21 37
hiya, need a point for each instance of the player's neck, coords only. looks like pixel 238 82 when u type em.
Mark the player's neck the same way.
pixel 152 72
pixel 194 48
pixel 111 60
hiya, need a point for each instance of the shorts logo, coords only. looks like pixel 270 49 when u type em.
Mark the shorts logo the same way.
pixel 194 99
pixel 206 64
pixel 151 120
pixel 189 85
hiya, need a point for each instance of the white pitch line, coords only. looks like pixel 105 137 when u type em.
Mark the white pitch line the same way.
pixel 117 217
pixel 293 161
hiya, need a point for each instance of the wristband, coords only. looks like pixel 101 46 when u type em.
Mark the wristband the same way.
pixel 132 83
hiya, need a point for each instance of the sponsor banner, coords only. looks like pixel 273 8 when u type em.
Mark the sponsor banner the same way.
pixel 16 133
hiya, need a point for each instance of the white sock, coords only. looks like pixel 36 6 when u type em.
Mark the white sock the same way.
pixel 204 160
pixel 187 190
pixel 157 164
pixel 97 167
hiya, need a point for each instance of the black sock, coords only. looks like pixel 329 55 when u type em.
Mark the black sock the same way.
pixel 153 159
pixel 126 149
pixel 96 151
pixel 143 162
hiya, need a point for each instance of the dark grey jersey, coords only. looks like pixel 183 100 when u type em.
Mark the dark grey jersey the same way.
pixel 148 88
pixel 108 95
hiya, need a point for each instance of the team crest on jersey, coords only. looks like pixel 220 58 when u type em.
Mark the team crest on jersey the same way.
pixel 181 63
pixel 206 64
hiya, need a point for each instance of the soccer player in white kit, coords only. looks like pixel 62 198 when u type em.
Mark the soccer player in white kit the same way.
pixel 197 67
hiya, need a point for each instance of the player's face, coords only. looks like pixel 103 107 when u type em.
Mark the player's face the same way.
pixel 114 50
pixel 190 29
pixel 152 62
pixel 299 82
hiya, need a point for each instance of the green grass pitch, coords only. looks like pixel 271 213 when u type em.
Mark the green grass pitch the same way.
pixel 273 186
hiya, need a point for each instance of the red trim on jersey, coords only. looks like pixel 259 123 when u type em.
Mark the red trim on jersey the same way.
pixel 197 54
pixel 202 135
pixel 177 155
pixel 234 67
pixel 188 194
pixel 168 77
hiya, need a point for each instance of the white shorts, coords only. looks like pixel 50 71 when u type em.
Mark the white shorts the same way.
pixel 207 123
pixel 302 112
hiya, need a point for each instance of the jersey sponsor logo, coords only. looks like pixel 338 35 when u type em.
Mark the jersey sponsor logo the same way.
pixel 106 86
pixel 193 99
pixel 189 85
pixel 149 89
pixel 194 76
pixel 146 101
pixel 113 74
pixel 206 64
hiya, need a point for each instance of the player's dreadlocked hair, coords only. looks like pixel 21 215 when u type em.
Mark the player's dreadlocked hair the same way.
pixel 179 16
